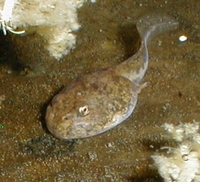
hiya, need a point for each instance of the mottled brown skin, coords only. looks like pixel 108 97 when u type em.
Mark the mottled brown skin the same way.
pixel 108 96
pixel 99 101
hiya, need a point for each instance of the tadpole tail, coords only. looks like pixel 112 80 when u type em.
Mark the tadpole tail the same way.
pixel 148 27
pixel 154 24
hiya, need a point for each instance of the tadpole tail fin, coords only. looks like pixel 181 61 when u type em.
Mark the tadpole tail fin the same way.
pixel 154 24
pixel 148 27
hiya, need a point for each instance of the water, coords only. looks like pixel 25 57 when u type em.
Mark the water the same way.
pixel 108 37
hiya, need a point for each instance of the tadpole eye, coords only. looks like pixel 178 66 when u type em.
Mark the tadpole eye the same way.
pixel 83 110
pixel 65 118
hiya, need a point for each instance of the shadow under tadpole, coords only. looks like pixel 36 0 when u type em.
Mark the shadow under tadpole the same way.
pixel 129 38
pixel 43 113
pixel 44 108
pixel 46 145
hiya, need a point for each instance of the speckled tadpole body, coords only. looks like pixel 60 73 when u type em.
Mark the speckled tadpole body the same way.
pixel 99 101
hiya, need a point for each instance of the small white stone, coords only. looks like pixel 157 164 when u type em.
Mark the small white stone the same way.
pixel 183 38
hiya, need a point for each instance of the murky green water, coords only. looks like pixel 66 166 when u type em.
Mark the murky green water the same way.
pixel 107 37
